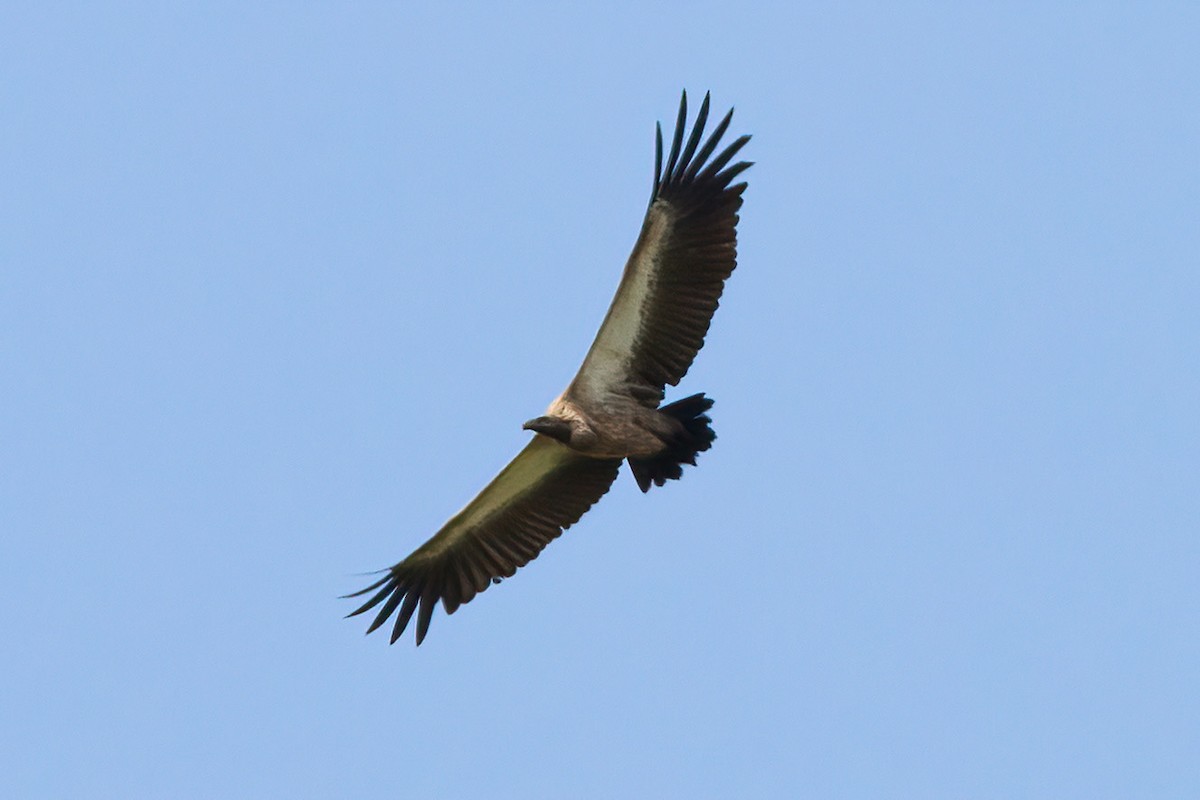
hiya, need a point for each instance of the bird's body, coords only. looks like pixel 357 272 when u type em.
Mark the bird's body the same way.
pixel 613 426
pixel 611 411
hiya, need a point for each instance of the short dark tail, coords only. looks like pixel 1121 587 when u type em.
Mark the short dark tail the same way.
pixel 695 438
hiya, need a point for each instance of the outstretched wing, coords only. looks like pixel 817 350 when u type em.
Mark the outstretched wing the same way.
pixel 674 278
pixel 543 491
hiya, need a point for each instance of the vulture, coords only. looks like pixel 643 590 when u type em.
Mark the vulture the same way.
pixel 612 410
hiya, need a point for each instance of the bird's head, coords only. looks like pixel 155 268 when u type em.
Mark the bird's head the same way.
pixel 554 427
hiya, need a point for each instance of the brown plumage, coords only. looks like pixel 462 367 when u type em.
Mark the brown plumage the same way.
pixel 610 412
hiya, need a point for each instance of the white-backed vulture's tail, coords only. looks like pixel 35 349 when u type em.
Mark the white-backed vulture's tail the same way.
pixel 696 437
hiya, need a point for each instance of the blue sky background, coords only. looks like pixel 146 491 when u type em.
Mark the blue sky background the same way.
pixel 279 283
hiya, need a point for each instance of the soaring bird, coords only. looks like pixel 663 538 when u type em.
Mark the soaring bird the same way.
pixel 610 412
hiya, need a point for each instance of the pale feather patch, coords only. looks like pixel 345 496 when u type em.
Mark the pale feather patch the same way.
pixel 523 474
pixel 607 365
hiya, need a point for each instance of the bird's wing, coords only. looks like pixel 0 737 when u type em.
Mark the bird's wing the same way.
pixel 674 278
pixel 543 491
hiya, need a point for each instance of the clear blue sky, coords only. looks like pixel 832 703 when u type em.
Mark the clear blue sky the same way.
pixel 279 283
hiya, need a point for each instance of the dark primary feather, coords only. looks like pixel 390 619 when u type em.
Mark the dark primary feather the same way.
pixel 698 255
pixel 543 491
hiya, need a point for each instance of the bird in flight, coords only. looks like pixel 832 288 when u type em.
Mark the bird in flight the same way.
pixel 611 411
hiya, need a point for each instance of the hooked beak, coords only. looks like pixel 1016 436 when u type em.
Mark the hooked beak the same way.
pixel 550 426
